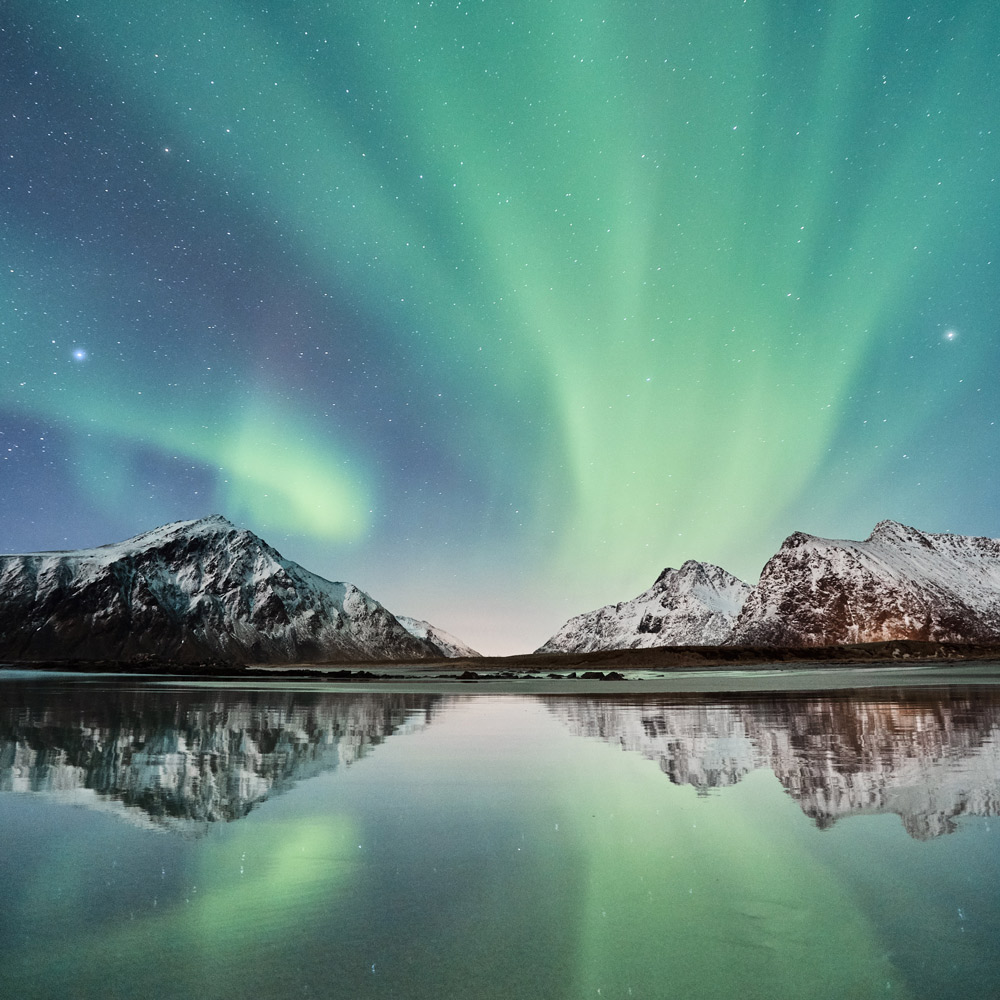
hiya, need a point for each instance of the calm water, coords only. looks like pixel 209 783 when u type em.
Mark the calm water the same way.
pixel 224 842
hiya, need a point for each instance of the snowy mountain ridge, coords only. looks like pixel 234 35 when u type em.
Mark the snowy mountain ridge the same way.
pixel 899 583
pixel 448 644
pixel 187 592
pixel 694 605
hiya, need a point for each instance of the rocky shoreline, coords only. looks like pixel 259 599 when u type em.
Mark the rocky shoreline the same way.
pixel 602 665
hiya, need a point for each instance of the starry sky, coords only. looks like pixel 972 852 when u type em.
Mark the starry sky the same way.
pixel 496 308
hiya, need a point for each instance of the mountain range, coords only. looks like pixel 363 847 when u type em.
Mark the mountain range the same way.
pixel 204 591
pixel 190 592
pixel 899 583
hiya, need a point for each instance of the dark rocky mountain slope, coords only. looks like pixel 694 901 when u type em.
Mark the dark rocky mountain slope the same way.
pixel 900 583
pixel 189 592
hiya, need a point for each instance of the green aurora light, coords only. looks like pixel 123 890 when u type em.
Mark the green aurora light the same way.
pixel 536 298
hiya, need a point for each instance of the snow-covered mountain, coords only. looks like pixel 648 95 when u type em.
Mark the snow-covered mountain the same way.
pixel 446 643
pixel 900 583
pixel 188 592
pixel 695 605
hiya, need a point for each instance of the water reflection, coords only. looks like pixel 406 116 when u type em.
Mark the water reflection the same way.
pixel 184 759
pixel 930 756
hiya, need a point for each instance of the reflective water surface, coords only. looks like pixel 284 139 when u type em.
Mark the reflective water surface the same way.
pixel 225 842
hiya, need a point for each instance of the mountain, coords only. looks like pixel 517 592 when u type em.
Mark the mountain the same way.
pixel 189 592
pixel 695 605
pixel 900 583
pixel 445 642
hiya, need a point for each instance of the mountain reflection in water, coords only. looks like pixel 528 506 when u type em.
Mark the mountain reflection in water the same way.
pixel 930 756
pixel 182 758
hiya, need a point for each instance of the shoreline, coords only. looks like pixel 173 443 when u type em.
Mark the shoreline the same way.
pixel 604 665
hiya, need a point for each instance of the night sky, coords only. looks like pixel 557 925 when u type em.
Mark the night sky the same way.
pixel 498 308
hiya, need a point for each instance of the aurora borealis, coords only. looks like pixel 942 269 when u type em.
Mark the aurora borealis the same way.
pixel 495 309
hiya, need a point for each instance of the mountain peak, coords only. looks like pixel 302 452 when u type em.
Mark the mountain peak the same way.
pixel 896 531
pixel 695 605
pixel 213 524
pixel 797 539
pixel 888 524
pixel 899 583
pixel 209 522
pixel 190 591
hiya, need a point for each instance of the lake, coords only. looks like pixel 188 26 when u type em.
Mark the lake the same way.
pixel 527 840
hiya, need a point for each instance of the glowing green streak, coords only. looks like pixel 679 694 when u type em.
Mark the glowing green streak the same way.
pixel 592 301
pixel 671 260
pixel 271 470
pixel 716 896
pixel 258 888
pixel 248 113
pixel 286 146
pixel 697 253
pixel 270 466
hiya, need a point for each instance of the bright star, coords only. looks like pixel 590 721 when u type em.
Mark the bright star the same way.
pixel 79 354
pixel 950 334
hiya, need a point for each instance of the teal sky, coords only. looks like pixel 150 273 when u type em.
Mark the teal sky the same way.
pixel 496 309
